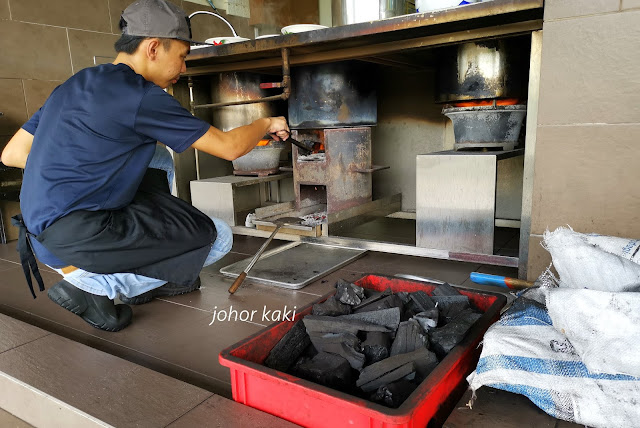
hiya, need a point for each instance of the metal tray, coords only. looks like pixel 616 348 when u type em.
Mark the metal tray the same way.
pixel 296 264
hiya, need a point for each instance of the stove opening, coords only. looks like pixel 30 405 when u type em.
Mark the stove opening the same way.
pixel 313 194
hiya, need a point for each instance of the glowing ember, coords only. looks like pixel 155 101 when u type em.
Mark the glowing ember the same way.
pixel 503 102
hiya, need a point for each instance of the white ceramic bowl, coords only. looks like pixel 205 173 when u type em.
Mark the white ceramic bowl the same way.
pixel 301 28
pixel 266 36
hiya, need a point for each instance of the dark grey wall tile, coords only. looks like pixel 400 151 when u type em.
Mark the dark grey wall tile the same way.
pixel 85 14
pixel 12 105
pixel 554 9
pixel 630 4
pixel 85 45
pixel 37 92
pixel 589 70
pixel 31 51
pixel 586 177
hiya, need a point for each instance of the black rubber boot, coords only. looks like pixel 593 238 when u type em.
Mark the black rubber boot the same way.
pixel 99 311
pixel 167 290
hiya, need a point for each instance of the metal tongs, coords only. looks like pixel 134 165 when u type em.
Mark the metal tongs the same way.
pixel 305 147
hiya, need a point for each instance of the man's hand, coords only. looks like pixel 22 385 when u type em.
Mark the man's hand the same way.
pixel 278 128
pixel 237 142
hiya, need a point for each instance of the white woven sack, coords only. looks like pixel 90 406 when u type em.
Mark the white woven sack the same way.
pixel 603 327
pixel 594 262
pixel 523 353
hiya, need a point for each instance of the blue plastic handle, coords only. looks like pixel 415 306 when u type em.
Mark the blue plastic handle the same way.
pixel 486 279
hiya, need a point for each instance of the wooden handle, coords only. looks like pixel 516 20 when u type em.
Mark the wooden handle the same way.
pixel 237 282
pixel 519 283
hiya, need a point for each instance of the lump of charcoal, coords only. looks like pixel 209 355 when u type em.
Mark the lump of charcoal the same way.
pixel 387 365
pixel 392 301
pixel 331 307
pixel 389 318
pixel 404 296
pixel 344 344
pixel 450 306
pixel 322 340
pixel 427 319
pixel 394 394
pixel 443 339
pixel 289 348
pixel 409 337
pixel 326 369
pixel 372 296
pixel 420 301
pixel 376 346
pixel 445 290
pixel 392 376
pixel 349 293
pixel 319 324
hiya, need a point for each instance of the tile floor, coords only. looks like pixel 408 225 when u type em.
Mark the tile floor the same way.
pixel 173 335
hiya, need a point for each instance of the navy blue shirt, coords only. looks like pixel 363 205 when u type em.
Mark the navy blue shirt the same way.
pixel 93 140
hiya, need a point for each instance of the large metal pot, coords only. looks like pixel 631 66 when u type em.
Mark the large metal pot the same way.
pixel 261 158
pixel 345 12
pixel 333 95
pixel 226 87
pixel 484 70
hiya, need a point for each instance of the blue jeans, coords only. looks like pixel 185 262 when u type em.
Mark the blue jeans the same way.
pixel 130 284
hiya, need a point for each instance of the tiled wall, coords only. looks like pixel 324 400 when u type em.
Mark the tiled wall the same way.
pixel 587 162
pixel 42 43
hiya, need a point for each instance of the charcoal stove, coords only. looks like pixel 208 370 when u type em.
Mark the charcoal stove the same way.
pixel 341 176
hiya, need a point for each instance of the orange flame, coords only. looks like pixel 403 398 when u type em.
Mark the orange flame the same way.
pixel 503 102
pixel 263 142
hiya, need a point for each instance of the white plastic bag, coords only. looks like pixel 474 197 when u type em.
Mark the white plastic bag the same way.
pixel 595 262
pixel 603 327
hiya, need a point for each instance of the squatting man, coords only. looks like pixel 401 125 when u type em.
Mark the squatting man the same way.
pixel 95 200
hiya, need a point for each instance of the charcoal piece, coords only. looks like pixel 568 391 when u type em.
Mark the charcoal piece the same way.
pixel 443 339
pixel 326 369
pixel 409 337
pixel 349 293
pixel 345 344
pixel 387 365
pixel 320 324
pixel 389 318
pixel 445 290
pixel 372 296
pixel 427 319
pixel 421 301
pixel 394 394
pixel 389 377
pixel 450 306
pixel 289 348
pixel 391 301
pixel 331 307
pixel 376 346
pixel 404 296
pixel 356 359
pixel 322 340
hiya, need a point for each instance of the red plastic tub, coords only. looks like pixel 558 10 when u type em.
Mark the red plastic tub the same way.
pixel 313 405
